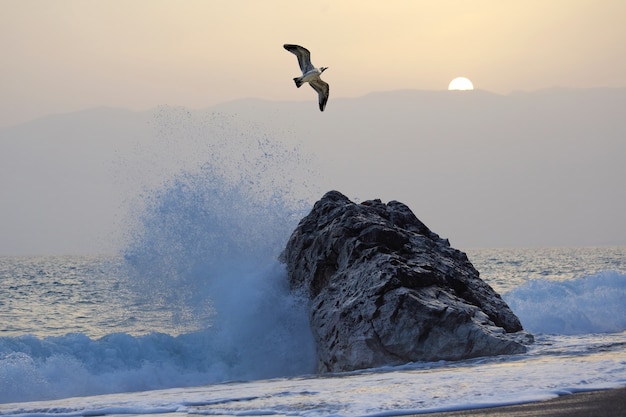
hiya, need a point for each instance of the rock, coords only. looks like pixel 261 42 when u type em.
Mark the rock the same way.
pixel 386 290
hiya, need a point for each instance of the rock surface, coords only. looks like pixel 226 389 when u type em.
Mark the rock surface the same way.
pixel 386 290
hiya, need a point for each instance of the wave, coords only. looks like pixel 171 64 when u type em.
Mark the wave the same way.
pixel 589 304
pixel 265 335
pixel 225 217
pixel 260 331
pixel 203 247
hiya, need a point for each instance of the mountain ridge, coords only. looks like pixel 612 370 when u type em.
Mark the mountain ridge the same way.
pixel 534 169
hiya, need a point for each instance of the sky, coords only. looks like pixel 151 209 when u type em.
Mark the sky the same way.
pixel 83 84
pixel 68 55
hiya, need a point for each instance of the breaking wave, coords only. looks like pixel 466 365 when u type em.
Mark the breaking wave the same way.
pixel 589 304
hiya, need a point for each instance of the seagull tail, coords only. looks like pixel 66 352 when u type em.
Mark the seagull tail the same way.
pixel 298 81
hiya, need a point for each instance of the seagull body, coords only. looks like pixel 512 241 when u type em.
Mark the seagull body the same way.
pixel 310 74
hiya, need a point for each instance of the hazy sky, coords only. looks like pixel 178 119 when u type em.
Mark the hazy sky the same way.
pixel 63 55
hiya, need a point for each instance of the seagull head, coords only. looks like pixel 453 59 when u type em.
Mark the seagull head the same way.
pixel 322 69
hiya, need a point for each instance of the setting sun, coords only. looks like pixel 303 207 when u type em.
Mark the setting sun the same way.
pixel 460 83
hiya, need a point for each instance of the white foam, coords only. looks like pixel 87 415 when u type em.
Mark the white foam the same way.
pixel 409 389
pixel 260 331
pixel 589 304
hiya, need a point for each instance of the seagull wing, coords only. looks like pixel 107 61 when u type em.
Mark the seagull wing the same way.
pixel 322 89
pixel 304 57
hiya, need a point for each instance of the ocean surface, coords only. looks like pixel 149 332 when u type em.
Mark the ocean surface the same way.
pixel 84 335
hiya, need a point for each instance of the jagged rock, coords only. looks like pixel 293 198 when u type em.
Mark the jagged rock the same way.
pixel 386 290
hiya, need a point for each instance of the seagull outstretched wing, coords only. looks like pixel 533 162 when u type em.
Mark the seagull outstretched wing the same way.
pixel 322 91
pixel 304 57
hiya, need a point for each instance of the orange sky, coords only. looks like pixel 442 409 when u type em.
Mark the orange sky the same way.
pixel 67 55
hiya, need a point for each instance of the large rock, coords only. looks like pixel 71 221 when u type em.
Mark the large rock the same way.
pixel 386 290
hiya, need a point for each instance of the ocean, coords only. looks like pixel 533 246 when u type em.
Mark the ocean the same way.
pixel 79 337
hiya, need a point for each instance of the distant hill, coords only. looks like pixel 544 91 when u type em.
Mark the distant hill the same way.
pixel 523 169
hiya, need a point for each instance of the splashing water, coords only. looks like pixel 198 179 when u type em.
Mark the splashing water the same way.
pixel 212 202
pixel 206 244
pixel 227 214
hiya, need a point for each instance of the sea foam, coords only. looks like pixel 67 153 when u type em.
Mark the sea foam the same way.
pixel 588 304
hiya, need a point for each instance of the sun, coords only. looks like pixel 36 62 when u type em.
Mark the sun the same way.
pixel 460 83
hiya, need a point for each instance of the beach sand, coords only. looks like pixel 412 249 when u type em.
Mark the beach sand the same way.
pixel 604 403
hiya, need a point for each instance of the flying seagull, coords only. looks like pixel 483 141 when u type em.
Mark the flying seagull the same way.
pixel 310 74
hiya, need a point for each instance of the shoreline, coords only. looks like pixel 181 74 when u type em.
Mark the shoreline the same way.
pixel 601 403
pixel 609 402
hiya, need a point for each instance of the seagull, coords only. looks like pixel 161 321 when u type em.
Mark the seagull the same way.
pixel 310 74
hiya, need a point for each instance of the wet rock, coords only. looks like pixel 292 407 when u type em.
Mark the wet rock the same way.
pixel 386 290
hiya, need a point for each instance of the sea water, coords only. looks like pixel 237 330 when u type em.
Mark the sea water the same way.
pixel 73 327
pixel 194 314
